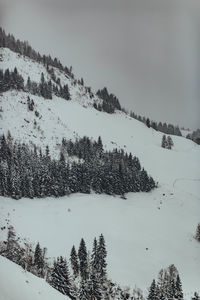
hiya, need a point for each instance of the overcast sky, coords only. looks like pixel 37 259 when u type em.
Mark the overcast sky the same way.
pixel 146 52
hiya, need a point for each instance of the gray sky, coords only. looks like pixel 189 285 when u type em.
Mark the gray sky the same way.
pixel 147 52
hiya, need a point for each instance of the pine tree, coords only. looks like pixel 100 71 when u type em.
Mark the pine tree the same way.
pixel 6 80
pixel 101 258
pixel 60 277
pixel 39 260
pixel 153 291
pixel 170 143
pixel 100 145
pixel 65 92
pixel 74 262
pixel 154 125
pixel 164 141
pixel 197 236
pixel 11 241
pixel 148 123
pixel 94 259
pixel 83 260
pixel 171 289
pixel 15 181
pixel 178 289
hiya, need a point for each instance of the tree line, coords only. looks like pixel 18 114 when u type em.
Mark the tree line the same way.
pixel 26 172
pixel 23 48
pixel 194 136
pixel 159 126
pixel 13 80
pixel 109 102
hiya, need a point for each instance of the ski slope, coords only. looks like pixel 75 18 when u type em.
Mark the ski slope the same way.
pixel 164 220
pixel 15 283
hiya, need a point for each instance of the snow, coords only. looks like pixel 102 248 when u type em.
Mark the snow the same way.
pixel 164 221
pixel 165 224
pixel 25 66
pixel 30 68
pixel 15 283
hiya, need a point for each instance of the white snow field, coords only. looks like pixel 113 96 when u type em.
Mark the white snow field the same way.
pixel 164 220
pixel 15 283
pixel 163 224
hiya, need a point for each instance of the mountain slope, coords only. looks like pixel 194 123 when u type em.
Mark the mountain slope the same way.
pixel 60 118
pixel 15 283
pixel 164 221
pixel 143 234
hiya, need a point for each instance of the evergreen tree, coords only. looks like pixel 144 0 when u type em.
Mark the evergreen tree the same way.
pixel 170 143
pixel 39 260
pixel 15 181
pixel 178 289
pixel 164 141
pixel 154 125
pixel 94 258
pixel 153 291
pixel 11 242
pixel 65 92
pixel 101 258
pixel 60 277
pixel 74 262
pixel 148 123
pixel 83 260
pixel 197 236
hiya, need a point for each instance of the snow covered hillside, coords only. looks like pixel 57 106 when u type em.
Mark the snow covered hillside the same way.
pixel 15 283
pixel 30 68
pixel 60 118
pixel 144 233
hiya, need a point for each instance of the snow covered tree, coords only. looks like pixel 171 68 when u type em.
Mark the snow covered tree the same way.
pixel 11 243
pixel 60 277
pixel 197 236
pixel 39 260
pixel 64 92
pixel 94 261
pixel 15 181
pixel 178 289
pixel 83 260
pixel 74 262
pixel 153 294
pixel 148 123
pixel 101 259
pixel 13 250
pixel 170 143
pixel 164 141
